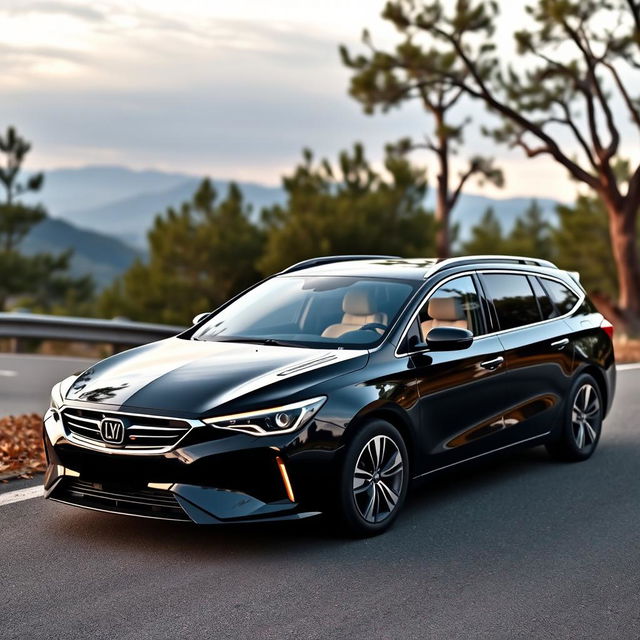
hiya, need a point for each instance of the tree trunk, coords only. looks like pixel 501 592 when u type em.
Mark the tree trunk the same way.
pixel 443 250
pixel 623 234
pixel 442 220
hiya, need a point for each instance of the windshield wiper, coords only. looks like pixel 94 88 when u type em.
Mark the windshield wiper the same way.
pixel 263 341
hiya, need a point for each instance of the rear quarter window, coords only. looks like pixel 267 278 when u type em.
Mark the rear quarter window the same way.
pixel 563 298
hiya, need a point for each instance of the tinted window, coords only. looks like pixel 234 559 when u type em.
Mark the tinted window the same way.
pixel 340 311
pixel 546 306
pixel 513 299
pixel 454 304
pixel 563 297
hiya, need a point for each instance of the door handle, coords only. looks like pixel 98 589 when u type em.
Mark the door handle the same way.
pixel 492 364
pixel 560 344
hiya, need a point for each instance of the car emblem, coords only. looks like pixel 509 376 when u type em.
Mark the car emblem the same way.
pixel 112 431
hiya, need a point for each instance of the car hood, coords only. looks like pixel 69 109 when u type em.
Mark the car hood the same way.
pixel 190 378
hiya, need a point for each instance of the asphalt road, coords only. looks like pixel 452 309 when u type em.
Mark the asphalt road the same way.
pixel 521 547
pixel 26 380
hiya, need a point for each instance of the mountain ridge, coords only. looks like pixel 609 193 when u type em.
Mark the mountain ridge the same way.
pixel 103 212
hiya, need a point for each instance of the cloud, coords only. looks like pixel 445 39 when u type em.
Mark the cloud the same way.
pixel 55 7
pixel 183 86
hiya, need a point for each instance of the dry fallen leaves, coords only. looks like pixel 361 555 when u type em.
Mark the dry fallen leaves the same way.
pixel 21 449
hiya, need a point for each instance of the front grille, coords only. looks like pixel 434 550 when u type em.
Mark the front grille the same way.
pixel 150 503
pixel 140 432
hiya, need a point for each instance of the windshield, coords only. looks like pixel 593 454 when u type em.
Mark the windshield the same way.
pixel 315 311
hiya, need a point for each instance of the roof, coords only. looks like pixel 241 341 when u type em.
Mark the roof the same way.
pixel 405 268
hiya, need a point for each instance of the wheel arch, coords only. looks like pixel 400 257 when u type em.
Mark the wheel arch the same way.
pixel 395 416
pixel 601 381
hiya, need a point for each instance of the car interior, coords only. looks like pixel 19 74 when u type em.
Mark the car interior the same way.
pixel 358 310
pixel 444 312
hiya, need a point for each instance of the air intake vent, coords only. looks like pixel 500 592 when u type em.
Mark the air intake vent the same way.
pixel 148 503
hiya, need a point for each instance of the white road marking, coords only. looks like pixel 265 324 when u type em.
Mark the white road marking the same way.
pixel 628 367
pixel 7 373
pixel 21 494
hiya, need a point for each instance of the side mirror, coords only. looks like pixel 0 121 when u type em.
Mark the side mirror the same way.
pixel 449 339
pixel 200 317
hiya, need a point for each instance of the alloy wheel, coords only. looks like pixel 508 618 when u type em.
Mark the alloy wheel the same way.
pixel 378 478
pixel 585 417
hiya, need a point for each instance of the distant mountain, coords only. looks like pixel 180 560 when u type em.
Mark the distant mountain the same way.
pixel 103 256
pixel 104 212
pixel 123 202
pixel 68 190
pixel 131 217
pixel 470 209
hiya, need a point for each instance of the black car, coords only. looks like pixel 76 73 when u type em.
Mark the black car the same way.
pixel 330 386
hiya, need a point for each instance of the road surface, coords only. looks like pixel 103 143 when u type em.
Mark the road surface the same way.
pixel 521 547
pixel 26 380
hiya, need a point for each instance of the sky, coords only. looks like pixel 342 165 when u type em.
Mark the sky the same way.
pixel 211 87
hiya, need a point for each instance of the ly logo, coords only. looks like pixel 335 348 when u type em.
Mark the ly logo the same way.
pixel 112 431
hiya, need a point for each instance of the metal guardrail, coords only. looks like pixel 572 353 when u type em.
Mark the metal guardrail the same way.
pixel 25 326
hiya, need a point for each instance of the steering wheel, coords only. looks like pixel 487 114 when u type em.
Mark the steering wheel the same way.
pixel 372 326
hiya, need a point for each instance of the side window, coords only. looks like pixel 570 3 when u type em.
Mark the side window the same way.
pixel 546 306
pixel 513 299
pixel 563 297
pixel 453 304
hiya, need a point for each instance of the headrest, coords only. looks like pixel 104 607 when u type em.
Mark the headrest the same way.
pixel 446 309
pixel 357 302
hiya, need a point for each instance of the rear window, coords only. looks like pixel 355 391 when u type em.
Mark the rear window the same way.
pixel 513 299
pixel 562 296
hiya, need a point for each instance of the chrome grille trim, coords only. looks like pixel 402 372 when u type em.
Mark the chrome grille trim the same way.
pixel 89 420
pixel 82 427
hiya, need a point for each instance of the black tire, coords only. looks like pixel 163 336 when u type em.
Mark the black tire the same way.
pixel 582 425
pixel 369 496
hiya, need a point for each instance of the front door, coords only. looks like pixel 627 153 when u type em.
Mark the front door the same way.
pixel 462 393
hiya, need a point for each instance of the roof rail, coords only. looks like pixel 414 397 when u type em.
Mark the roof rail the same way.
pixel 463 260
pixel 315 262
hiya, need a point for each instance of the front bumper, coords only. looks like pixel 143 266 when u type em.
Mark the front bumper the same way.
pixel 234 478
pixel 180 502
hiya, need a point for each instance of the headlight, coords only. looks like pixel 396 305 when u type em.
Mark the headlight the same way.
pixel 59 391
pixel 276 420
pixel 56 397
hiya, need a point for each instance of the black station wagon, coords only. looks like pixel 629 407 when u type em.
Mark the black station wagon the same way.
pixel 328 387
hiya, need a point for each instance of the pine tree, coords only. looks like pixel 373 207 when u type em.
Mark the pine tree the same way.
pixel 486 237
pixel 200 255
pixel 385 80
pixel 531 235
pixel 576 60
pixel 349 209
pixel 41 281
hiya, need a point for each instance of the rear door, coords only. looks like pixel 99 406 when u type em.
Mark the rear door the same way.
pixel 537 348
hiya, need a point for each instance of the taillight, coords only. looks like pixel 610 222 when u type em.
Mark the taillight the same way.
pixel 607 327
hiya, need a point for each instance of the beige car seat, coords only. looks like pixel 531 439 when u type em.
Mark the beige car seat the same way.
pixel 358 310
pixel 444 312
